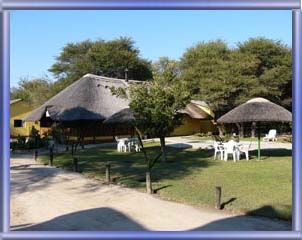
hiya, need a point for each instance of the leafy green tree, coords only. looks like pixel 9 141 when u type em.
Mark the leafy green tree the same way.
pixel 166 69
pixel 274 70
pixel 227 77
pixel 156 105
pixel 218 75
pixel 106 58
pixel 33 91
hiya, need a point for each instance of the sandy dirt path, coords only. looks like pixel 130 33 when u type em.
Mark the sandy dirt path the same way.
pixel 47 198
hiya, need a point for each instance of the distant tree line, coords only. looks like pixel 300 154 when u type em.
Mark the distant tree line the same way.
pixel 211 71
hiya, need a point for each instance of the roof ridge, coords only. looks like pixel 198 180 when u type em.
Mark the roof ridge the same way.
pixel 109 78
pixel 12 101
pixel 102 77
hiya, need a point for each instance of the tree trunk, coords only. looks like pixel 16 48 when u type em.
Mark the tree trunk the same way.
pixel 253 129
pixel 148 183
pixel 220 129
pixel 163 149
pixel 240 129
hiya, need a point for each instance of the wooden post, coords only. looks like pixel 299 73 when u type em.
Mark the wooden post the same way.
pixel 51 156
pixel 218 197
pixel 76 164
pixel 36 155
pixel 108 173
pixel 148 183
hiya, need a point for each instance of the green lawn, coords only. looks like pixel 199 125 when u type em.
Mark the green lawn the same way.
pixel 190 176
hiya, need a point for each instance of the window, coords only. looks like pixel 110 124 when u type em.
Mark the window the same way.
pixel 18 123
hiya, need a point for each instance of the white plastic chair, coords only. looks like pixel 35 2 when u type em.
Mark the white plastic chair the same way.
pixel 244 149
pixel 133 144
pixel 122 145
pixel 271 135
pixel 130 146
pixel 218 147
pixel 137 147
pixel 231 148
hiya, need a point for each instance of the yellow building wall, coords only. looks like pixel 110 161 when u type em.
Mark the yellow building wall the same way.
pixel 192 126
pixel 208 126
pixel 18 111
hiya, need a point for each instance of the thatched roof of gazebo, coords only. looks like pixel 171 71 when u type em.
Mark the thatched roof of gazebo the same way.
pixel 89 98
pixel 257 110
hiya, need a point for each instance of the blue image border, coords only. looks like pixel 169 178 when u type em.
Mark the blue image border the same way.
pixel 7 5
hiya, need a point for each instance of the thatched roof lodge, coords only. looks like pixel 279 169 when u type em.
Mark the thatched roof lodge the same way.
pixel 89 101
pixel 89 98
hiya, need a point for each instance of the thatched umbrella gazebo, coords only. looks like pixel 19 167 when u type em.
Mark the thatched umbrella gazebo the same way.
pixel 257 110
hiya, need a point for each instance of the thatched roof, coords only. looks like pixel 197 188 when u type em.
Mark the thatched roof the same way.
pixel 257 110
pixel 123 116
pixel 194 111
pixel 126 115
pixel 89 98
pixel 15 101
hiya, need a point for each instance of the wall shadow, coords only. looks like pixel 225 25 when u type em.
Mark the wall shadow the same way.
pixel 97 219
pixel 108 219
pixel 248 223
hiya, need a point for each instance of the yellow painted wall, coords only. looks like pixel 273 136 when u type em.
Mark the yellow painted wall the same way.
pixel 18 111
pixel 191 126
pixel 208 126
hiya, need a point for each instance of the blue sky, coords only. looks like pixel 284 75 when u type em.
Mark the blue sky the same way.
pixel 38 36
